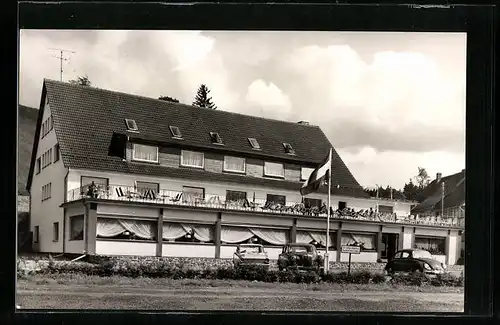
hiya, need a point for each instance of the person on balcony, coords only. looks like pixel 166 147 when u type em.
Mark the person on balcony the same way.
pixel 92 190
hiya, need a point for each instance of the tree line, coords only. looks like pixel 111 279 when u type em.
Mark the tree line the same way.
pixel 413 190
pixel 202 98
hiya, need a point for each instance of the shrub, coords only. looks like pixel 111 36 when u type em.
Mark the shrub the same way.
pixel 447 280
pixel 272 276
pixel 181 269
pixel 378 278
pixel 225 273
pixel 286 276
pixel 410 279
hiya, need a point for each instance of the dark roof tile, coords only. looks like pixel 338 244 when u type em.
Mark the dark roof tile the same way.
pixel 454 193
pixel 85 119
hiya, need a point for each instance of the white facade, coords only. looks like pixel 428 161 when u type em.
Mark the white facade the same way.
pixel 219 188
pixel 45 213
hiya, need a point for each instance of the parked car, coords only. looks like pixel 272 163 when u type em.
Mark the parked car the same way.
pixel 415 260
pixel 250 255
pixel 301 257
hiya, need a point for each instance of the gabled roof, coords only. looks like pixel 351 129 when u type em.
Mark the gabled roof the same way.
pixel 27 119
pixel 85 119
pixel 454 193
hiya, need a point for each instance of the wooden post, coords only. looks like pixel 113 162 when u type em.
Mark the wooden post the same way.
pixel 379 243
pixel 217 234
pixel 159 234
pixel 293 231
pixel 339 242
pixel 349 266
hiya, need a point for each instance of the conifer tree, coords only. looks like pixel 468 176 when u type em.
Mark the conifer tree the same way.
pixel 202 98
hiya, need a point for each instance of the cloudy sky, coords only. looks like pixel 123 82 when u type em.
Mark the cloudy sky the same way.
pixel 389 102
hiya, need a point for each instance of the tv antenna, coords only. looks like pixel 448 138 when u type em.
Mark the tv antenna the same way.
pixel 61 58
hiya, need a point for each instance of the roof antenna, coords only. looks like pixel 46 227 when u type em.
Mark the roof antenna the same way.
pixel 61 59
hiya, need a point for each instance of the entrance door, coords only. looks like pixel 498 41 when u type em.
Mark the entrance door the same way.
pixel 389 246
pixel 392 245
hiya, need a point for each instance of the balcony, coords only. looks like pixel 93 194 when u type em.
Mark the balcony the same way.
pixel 186 199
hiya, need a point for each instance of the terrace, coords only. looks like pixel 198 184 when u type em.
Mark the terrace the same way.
pixel 204 200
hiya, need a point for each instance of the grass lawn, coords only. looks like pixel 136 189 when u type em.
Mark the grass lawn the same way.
pixel 144 282
pixel 93 292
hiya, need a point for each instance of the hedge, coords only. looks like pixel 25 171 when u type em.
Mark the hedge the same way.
pixel 164 269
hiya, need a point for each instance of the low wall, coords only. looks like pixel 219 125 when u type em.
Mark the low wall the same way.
pixel 199 262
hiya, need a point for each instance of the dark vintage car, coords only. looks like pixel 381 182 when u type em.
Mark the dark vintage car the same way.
pixel 250 255
pixel 301 257
pixel 414 260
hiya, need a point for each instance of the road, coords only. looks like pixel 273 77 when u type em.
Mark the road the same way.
pixel 128 297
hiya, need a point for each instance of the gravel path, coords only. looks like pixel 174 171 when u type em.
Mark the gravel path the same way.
pixel 127 297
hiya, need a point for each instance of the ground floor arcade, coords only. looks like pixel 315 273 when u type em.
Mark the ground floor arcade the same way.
pixel 117 228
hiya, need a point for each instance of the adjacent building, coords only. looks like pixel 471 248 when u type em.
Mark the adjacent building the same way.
pixel 444 198
pixel 120 174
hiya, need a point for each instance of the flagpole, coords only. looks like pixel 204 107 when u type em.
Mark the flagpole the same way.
pixel 327 255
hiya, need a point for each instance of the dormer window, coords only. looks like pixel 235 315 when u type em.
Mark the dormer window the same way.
pixel 176 132
pixel 215 137
pixel 131 125
pixel 288 148
pixel 254 143
pixel 141 152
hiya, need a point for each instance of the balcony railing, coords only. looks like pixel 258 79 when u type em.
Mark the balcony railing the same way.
pixel 133 194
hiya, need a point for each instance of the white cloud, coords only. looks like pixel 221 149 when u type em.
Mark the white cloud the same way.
pixel 269 99
pixel 353 92
pixel 399 90
pixel 395 168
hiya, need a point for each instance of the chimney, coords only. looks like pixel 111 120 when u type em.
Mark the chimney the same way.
pixel 303 122
pixel 438 176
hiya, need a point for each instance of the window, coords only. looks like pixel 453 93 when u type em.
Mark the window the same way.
pixel 434 245
pixel 56 152
pixel 254 143
pixel 36 234
pixel 99 181
pixel 176 132
pixel 131 125
pixel 274 169
pixel 278 199
pixel 43 129
pixel 215 137
pixel 192 194
pixel 47 158
pixel 232 196
pixel 234 164
pixel 309 203
pixel 141 152
pixel 366 241
pixel 192 159
pixel 385 209
pixel 305 172
pixel 402 255
pixel 127 229
pixel 55 228
pixel 194 233
pixel 38 165
pixel 342 205
pixel 51 123
pixel 145 188
pixel 46 191
pixel 289 149
pixel 76 227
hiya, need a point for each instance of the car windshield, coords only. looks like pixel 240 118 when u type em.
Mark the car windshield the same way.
pixel 251 249
pixel 300 249
pixel 421 254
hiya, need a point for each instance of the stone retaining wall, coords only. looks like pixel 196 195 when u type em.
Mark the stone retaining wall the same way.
pixel 198 262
